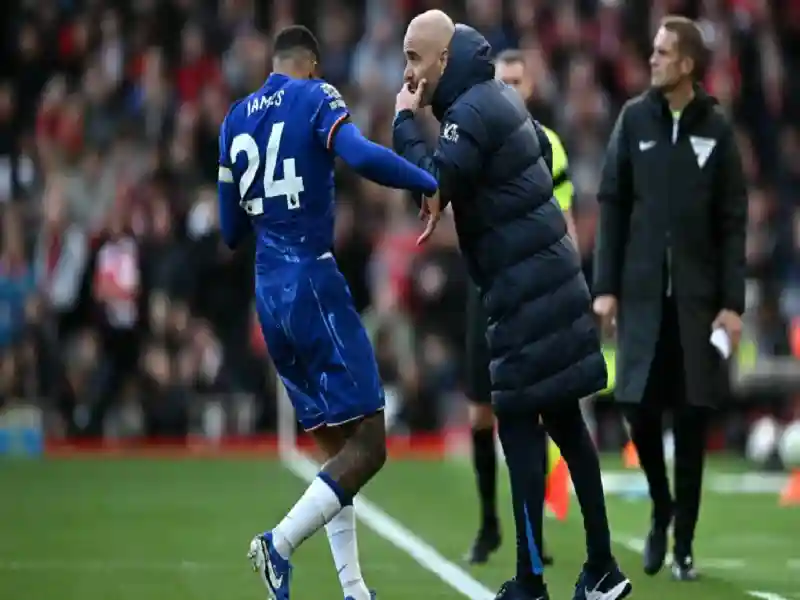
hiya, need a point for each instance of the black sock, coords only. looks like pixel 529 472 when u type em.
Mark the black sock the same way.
pixel 568 430
pixel 484 459
pixel 523 443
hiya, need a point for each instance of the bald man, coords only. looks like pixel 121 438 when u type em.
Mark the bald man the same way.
pixel 543 346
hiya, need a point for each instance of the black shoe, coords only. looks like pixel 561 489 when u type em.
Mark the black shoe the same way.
pixel 512 590
pixel 487 542
pixel 655 548
pixel 683 568
pixel 610 585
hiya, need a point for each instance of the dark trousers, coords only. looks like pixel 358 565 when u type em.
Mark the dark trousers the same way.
pixel 665 392
pixel 524 445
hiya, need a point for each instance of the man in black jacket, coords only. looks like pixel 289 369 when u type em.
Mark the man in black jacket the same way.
pixel 670 270
pixel 545 352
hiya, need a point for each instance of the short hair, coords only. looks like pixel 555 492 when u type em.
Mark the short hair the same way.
pixel 293 38
pixel 690 41
pixel 511 56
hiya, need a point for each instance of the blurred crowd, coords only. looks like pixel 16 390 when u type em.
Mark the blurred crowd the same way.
pixel 121 310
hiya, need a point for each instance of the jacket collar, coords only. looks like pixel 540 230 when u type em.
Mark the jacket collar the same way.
pixel 698 106
pixel 468 64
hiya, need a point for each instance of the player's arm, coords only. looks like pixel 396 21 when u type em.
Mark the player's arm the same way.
pixel 562 185
pixel 457 159
pixel 234 224
pixel 366 158
pixel 614 196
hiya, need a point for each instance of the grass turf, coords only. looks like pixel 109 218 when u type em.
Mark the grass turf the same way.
pixel 173 529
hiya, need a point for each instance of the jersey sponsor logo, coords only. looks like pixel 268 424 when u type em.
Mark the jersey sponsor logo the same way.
pixel 702 148
pixel 450 132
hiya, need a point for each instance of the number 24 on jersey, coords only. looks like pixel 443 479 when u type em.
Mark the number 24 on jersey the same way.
pixel 290 186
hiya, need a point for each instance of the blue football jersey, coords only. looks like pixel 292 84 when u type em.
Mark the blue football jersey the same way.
pixel 275 146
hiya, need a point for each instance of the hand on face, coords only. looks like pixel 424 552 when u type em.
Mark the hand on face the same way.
pixel 408 100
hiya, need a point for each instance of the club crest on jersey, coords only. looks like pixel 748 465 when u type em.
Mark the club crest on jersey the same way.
pixel 450 132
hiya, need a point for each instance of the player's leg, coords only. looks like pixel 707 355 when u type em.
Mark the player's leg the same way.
pixel 331 345
pixel 270 552
pixel 523 442
pixel 484 464
pixel 484 455
pixel 341 529
pixel 600 574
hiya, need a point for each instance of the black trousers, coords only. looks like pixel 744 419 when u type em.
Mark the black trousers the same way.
pixel 665 394
pixel 524 446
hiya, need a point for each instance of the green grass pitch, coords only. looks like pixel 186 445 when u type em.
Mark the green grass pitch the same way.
pixel 178 529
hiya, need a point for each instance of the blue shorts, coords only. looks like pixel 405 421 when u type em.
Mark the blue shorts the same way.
pixel 318 344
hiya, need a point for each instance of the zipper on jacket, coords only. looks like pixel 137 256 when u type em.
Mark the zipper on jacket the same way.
pixel 669 266
pixel 675 133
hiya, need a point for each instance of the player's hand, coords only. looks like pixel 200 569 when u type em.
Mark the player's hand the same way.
pixel 408 100
pixel 605 307
pixel 731 322
pixel 432 209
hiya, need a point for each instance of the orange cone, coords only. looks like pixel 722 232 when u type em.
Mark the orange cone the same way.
pixel 630 457
pixel 790 496
pixel 556 494
pixel 794 337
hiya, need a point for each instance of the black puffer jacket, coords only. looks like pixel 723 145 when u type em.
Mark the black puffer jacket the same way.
pixel 489 162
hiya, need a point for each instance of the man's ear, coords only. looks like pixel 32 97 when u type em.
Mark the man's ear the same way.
pixel 687 66
pixel 443 59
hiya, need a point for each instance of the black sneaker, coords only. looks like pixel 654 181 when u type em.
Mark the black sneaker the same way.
pixel 655 547
pixel 487 542
pixel 683 568
pixel 611 585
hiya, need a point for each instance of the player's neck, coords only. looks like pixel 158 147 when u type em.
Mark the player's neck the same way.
pixel 679 96
pixel 287 69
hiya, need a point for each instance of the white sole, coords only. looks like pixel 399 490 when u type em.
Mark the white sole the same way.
pixel 258 558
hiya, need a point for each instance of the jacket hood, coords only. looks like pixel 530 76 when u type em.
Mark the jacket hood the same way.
pixel 469 63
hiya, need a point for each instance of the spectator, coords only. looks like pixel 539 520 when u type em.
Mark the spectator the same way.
pixel 109 117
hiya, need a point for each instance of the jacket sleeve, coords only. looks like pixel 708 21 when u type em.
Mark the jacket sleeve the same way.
pixel 408 142
pixel 615 196
pixel 460 150
pixel 730 201
pixel 458 155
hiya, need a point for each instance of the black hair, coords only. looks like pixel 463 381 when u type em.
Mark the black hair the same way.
pixel 295 37
pixel 511 56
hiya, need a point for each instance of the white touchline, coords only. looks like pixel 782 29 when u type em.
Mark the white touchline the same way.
pixel 637 545
pixel 111 565
pixel 398 535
